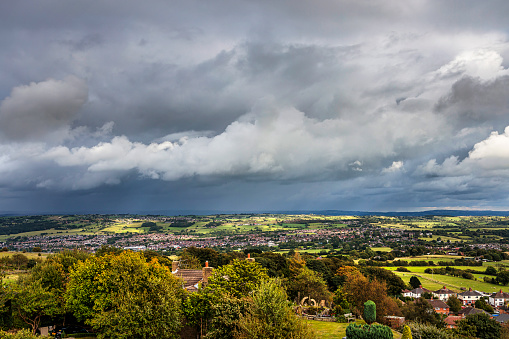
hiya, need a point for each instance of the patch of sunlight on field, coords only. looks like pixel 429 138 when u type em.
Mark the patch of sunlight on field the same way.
pixel 29 255
pixel 381 249
pixel 432 257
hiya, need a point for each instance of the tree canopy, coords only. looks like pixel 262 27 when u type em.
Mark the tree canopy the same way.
pixel 125 297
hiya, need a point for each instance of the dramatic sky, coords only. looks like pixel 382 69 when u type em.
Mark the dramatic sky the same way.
pixel 233 105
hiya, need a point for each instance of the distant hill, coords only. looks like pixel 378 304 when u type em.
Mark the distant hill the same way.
pixel 452 213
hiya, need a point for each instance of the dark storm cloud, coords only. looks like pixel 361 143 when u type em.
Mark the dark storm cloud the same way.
pixel 324 104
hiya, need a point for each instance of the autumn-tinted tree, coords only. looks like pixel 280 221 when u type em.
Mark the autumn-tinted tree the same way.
pixel 360 290
pixel 394 283
pixel 344 272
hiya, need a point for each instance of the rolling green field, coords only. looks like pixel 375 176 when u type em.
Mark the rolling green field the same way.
pixel 436 281
pixel 29 255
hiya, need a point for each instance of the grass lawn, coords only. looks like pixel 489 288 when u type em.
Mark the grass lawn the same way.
pixel 333 330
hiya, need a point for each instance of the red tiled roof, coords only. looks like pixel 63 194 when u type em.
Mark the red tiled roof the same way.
pixel 452 319
pixel 438 304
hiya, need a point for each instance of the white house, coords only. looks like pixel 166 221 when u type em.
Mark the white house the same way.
pixel 469 297
pixel 443 294
pixel 498 299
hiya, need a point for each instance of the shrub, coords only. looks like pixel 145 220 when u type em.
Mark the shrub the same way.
pixel 424 331
pixel 23 334
pixel 357 331
pixel 402 269
pixel 369 311
pixel 407 333
pixel 341 319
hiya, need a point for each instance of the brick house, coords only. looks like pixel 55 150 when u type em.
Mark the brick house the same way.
pixel 439 306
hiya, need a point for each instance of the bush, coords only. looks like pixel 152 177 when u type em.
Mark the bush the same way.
pixel 23 334
pixel 424 331
pixel 369 312
pixel 357 331
pixel 270 316
pixel 407 333
pixel 341 319
pixel 402 269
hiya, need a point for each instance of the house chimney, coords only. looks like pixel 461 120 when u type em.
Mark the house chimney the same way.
pixel 249 258
pixel 206 273
pixel 174 265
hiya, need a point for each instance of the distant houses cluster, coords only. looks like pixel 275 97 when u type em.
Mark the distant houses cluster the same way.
pixel 498 300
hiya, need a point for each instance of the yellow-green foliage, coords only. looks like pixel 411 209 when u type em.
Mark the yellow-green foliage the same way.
pixel 22 334
pixel 407 333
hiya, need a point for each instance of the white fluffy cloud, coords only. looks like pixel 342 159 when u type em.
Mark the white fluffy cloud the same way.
pixel 488 158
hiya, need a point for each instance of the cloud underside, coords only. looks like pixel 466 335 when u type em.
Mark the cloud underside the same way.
pixel 375 106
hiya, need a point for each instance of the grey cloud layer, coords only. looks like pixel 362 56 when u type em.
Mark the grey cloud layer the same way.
pixel 391 101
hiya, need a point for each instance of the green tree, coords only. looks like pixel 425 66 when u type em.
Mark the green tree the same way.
pixel 340 298
pixel 503 277
pixel 369 312
pixel 483 305
pixel 237 279
pixel 422 311
pixel 490 270
pixel 309 284
pixel 270 316
pixel 31 302
pixel 479 325
pixel 122 296
pixel 19 260
pixel 454 304
pixel 415 282
pixel 226 315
